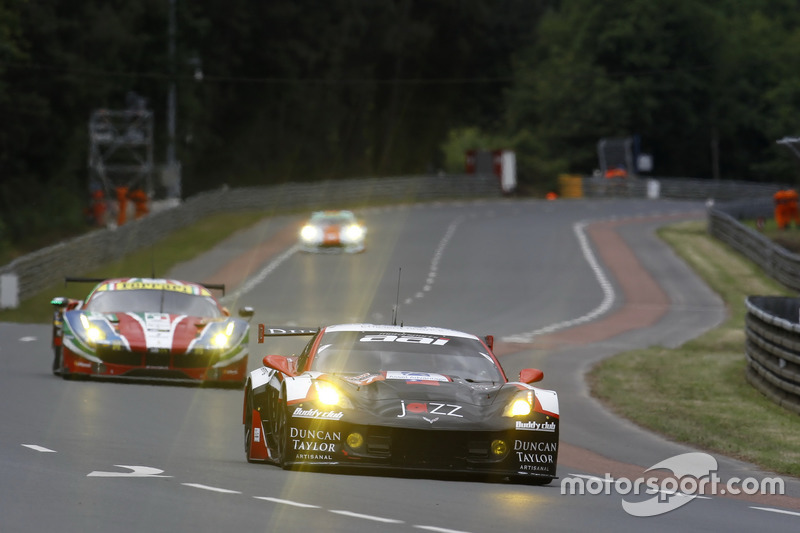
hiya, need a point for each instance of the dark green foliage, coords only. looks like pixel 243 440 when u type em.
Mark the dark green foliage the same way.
pixel 296 90
pixel 681 74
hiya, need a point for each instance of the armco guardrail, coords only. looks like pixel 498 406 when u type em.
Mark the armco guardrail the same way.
pixel 772 324
pixel 776 261
pixel 31 273
pixel 773 348
pixel 677 188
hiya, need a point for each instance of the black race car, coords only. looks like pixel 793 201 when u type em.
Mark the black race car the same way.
pixel 399 397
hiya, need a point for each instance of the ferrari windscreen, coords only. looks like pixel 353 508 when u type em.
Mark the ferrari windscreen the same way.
pixel 153 301
pixel 348 352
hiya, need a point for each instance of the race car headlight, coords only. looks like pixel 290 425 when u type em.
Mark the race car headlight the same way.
pixel 330 396
pixel 355 440
pixel 354 232
pixel 520 405
pixel 93 333
pixel 499 448
pixel 223 338
pixel 220 340
pixel 309 233
pixel 327 394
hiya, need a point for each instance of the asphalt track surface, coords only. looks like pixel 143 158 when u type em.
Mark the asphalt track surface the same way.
pixel 560 284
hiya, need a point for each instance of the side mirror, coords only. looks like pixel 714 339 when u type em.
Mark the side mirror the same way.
pixel 59 302
pixel 246 312
pixel 531 375
pixel 285 365
pixel 489 340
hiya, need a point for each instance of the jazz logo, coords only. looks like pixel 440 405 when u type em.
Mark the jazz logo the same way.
pixel 433 408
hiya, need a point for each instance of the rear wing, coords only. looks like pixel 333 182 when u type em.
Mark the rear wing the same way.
pixel 211 286
pixel 288 331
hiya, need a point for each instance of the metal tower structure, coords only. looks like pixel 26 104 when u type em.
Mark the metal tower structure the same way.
pixel 613 153
pixel 121 150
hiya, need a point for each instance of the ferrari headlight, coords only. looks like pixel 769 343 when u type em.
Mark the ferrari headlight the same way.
pixel 521 405
pixel 354 232
pixel 327 394
pixel 222 338
pixel 93 333
pixel 309 233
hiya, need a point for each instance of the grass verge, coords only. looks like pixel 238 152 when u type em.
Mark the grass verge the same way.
pixel 177 247
pixel 698 394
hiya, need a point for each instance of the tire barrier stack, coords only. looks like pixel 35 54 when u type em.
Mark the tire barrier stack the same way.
pixel 772 327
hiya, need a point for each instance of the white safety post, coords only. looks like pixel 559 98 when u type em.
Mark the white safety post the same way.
pixel 9 291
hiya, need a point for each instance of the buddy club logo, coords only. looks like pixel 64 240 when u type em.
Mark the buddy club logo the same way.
pixel 550 427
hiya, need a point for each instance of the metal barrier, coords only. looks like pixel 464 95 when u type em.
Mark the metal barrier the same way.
pixel 772 323
pixel 776 261
pixel 29 274
pixel 773 348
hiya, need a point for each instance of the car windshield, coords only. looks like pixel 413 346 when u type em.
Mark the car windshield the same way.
pixel 337 220
pixel 153 301
pixel 345 352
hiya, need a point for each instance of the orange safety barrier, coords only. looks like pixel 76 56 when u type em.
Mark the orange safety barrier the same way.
pixel 786 210
pixel 140 200
pixel 122 205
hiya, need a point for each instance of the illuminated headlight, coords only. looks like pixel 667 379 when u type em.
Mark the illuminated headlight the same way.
pixel 310 233
pixel 520 408
pixel 330 396
pixel 220 340
pixel 355 440
pixel 499 448
pixel 520 405
pixel 327 394
pixel 93 333
pixel 354 232
pixel 223 338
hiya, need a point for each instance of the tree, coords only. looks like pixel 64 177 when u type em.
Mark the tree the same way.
pixel 693 79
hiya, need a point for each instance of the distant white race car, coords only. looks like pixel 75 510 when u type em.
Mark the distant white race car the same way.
pixel 333 231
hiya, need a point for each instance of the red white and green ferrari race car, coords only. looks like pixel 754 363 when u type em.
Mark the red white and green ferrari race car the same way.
pixel 398 397
pixel 150 329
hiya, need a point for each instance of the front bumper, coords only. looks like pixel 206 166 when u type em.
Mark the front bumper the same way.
pixel 500 453
pixel 190 368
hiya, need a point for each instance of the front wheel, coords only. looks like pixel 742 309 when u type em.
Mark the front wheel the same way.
pixel 248 424
pixel 282 434
pixel 58 360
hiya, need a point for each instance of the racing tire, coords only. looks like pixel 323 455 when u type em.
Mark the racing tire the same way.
pixel 248 424
pixel 58 361
pixel 282 434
